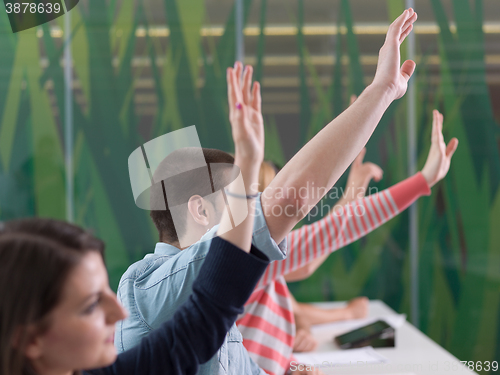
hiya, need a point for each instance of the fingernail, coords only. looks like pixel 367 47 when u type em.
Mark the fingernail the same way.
pixel 238 105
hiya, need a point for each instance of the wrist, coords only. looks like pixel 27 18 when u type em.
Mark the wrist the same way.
pixel 382 91
pixel 250 175
pixel 427 178
pixel 350 194
pixel 347 313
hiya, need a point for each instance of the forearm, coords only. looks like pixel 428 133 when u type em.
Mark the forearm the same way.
pixel 232 228
pixel 347 197
pixel 320 163
pixel 307 270
pixel 334 231
pixel 315 315
pixel 346 225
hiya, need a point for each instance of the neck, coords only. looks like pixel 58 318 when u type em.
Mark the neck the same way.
pixel 41 369
pixel 175 244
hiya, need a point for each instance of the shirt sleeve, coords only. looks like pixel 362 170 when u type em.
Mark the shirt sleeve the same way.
pixel 346 225
pixel 262 238
pixel 199 326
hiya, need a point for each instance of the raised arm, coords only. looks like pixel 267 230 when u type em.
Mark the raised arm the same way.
pixel 320 163
pixel 248 135
pixel 356 219
pixel 342 227
pixel 360 175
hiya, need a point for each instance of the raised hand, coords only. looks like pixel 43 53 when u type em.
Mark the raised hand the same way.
pixel 247 128
pixel 390 75
pixel 360 176
pixel 438 161
pixel 245 114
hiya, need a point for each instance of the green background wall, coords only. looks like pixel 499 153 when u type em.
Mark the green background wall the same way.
pixel 459 255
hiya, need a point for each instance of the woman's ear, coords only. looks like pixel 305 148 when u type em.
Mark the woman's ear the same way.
pixel 28 341
pixel 198 210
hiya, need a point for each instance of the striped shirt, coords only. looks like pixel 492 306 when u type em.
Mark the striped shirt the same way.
pixel 267 324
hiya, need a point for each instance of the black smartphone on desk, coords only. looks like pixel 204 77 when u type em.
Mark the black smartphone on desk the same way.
pixel 378 334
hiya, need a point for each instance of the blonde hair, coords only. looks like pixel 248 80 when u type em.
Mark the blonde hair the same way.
pixel 266 175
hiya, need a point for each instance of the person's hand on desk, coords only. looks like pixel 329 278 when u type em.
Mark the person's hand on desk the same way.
pixel 357 308
pixel 304 340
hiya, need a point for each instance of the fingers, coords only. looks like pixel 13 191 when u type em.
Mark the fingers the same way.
pixel 235 97
pixel 397 26
pixel 360 157
pixel 375 172
pixel 299 343
pixel 256 97
pixel 407 27
pixel 238 67
pixel 405 33
pixel 437 128
pixel 440 126
pixel 353 99
pixel 401 27
pixel 240 89
pixel 231 92
pixel 451 148
pixel 247 85
pixel 407 69
pixel 398 23
pixel 235 81
pixel 304 342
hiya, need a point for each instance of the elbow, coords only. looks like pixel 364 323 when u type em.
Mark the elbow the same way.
pixel 309 270
pixel 306 271
pixel 300 274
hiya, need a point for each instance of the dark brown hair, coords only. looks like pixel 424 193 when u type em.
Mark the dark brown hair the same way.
pixel 185 185
pixel 36 258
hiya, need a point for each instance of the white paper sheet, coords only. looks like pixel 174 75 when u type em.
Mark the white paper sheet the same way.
pixel 352 356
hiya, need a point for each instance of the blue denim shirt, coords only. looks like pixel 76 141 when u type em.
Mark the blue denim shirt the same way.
pixel 154 287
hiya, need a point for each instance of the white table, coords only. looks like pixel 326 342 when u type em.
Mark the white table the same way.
pixel 415 353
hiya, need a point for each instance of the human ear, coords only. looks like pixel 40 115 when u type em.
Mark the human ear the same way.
pixel 28 341
pixel 198 210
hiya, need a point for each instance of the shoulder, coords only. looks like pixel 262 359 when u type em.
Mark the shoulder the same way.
pixel 154 268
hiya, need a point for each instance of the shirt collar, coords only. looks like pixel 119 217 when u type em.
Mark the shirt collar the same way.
pixel 163 248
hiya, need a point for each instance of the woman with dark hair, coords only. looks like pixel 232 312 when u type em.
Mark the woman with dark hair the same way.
pixel 58 313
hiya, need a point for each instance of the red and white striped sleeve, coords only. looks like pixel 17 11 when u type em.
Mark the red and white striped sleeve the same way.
pixel 346 225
